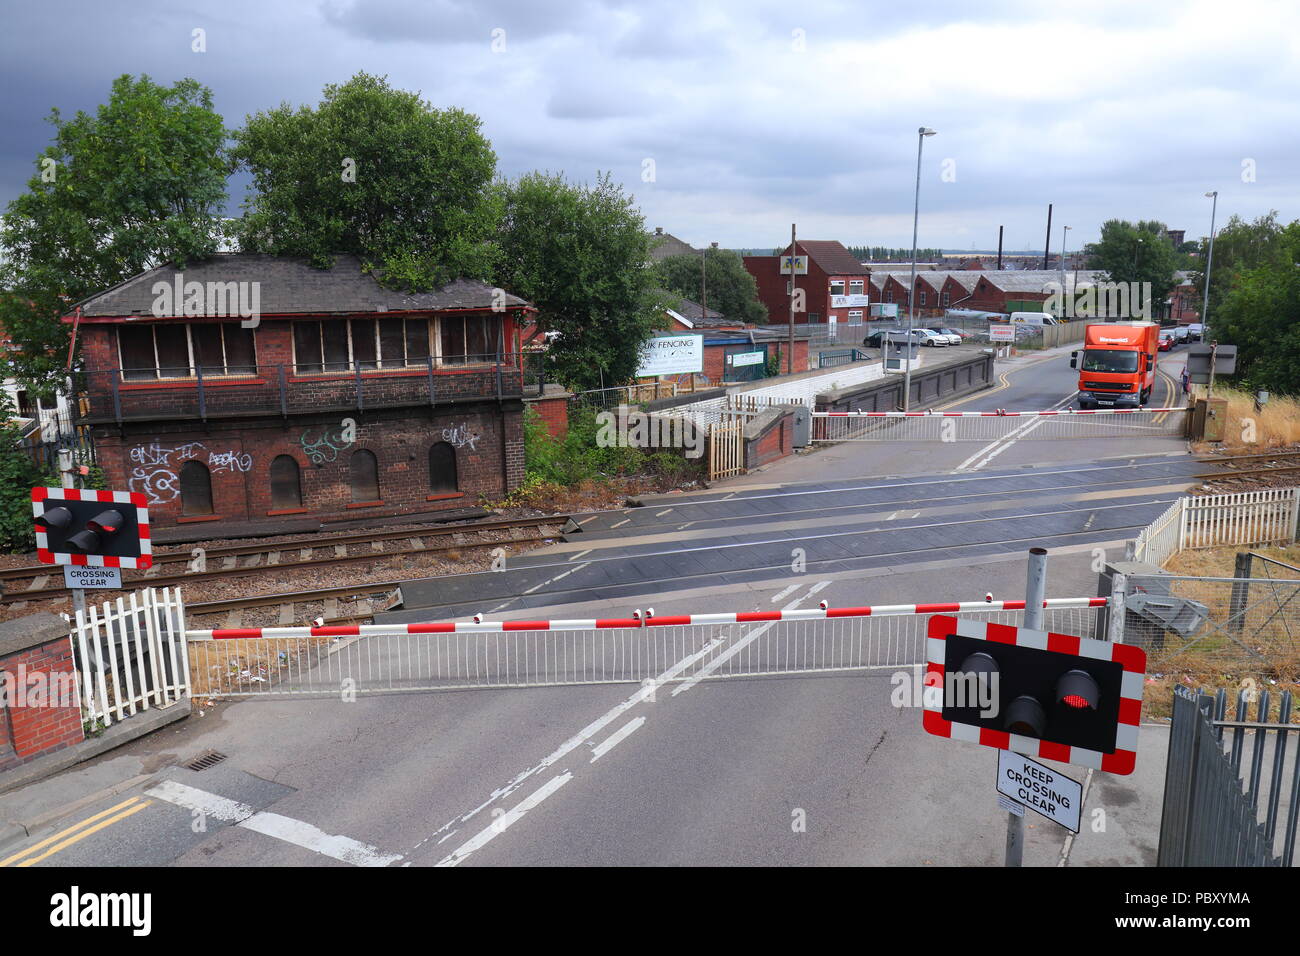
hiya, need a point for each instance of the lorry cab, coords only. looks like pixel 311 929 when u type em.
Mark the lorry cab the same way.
pixel 1117 367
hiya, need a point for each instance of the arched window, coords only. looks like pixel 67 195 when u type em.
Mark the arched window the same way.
pixel 442 469
pixel 286 487
pixel 365 476
pixel 196 489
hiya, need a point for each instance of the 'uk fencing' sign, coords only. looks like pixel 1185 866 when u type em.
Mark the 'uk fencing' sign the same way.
pixel 671 355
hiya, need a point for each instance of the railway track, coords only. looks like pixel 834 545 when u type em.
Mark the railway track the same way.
pixel 236 561
pixel 1290 461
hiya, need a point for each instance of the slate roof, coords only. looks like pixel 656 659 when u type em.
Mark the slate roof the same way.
pixel 831 257
pixel 695 312
pixel 666 244
pixel 289 285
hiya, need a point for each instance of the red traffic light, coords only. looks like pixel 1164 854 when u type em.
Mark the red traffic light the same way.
pixel 106 522
pixel 1077 690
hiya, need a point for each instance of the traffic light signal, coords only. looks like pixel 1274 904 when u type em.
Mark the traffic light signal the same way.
pixel 1056 696
pixel 99 528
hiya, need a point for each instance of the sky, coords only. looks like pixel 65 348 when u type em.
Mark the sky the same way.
pixel 728 122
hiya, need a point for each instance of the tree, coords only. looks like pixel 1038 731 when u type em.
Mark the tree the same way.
pixel 732 291
pixel 139 183
pixel 1136 252
pixel 376 172
pixel 1238 246
pixel 579 254
pixel 1259 312
pixel 18 475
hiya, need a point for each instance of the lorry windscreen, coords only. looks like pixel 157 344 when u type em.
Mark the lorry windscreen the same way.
pixel 1109 360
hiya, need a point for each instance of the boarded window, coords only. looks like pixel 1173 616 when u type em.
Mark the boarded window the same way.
pixel 306 346
pixel 392 342
pixel 334 336
pixel 364 351
pixel 138 359
pixel 442 469
pixel 286 485
pixel 196 489
pixel 207 349
pixel 417 341
pixel 240 352
pixel 173 351
pixel 365 476
pixel 453 339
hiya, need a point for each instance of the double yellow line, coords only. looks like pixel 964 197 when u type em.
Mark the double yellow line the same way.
pixel 76 833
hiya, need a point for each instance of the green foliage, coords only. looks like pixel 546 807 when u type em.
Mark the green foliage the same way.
pixel 1238 247
pixel 1260 314
pixel 140 182
pixel 578 458
pixel 375 172
pixel 774 362
pixel 732 291
pixel 1136 252
pixel 18 475
pixel 579 254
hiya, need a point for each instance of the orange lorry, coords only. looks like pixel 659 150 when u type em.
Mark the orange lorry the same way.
pixel 1117 368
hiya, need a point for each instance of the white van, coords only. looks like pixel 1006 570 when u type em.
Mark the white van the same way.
pixel 1033 318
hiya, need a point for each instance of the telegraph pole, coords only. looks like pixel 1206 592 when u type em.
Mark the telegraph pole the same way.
pixel 789 362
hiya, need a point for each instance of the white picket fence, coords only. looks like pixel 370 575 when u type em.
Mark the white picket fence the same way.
pixel 1249 517
pixel 131 654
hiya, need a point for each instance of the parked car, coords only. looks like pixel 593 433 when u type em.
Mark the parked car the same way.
pixel 1195 332
pixel 928 337
pixel 877 338
pixel 1166 340
pixel 1181 333
pixel 953 337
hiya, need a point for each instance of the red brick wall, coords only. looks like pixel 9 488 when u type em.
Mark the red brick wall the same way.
pixel 772 292
pixel 554 412
pixel 239 453
pixel 776 442
pixel 36 728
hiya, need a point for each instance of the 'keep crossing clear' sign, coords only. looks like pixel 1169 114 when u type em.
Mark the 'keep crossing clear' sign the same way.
pixel 1041 789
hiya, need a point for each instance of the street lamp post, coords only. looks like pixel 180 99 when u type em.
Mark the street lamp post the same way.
pixel 921 134
pixel 1209 261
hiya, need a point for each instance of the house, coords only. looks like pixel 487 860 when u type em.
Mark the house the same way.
pixel 664 244
pixel 247 387
pixel 835 288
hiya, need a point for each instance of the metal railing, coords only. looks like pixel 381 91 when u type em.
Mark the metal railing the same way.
pixel 116 395
pixel 991 426
pixel 380 658
pixel 1220 810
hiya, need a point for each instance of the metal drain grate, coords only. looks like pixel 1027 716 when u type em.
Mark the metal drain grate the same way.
pixel 209 758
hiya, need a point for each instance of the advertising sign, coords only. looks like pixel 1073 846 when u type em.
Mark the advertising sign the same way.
pixel 671 355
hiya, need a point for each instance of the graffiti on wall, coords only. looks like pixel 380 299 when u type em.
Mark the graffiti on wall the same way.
pixel 155 471
pixel 460 436
pixel 331 443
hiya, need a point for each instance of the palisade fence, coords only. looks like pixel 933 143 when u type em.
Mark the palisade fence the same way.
pixel 1248 517
pixel 130 655
pixel 1220 809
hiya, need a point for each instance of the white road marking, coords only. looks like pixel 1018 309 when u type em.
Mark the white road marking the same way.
pixel 283 828
pixel 580 554
pixel 616 738
pixel 740 645
pixel 318 841
pixel 505 821
pixel 576 740
pixel 557 577
pixel 620 523
pixel 660 514
pixel 784 593
pixel 992 450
